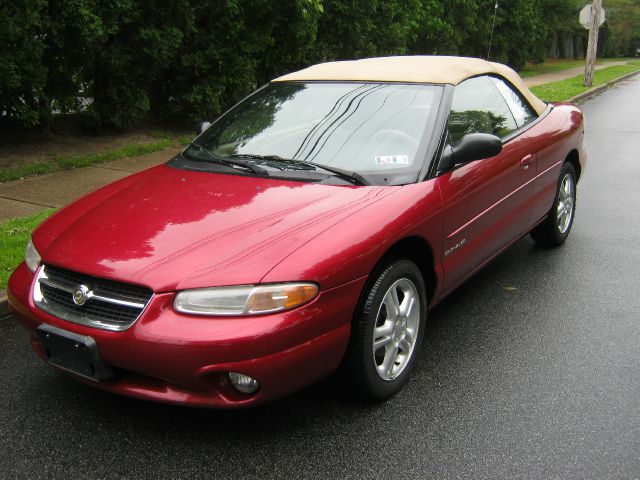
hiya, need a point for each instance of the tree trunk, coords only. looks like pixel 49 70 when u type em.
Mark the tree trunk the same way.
pixel 561 50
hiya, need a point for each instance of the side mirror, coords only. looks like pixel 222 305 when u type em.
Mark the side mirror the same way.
pixel 473 146
pixel 202 126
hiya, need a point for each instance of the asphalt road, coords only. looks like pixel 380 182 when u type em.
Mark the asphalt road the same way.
pixel 530 370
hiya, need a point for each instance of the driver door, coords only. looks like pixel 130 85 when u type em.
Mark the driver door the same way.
pixel 486 202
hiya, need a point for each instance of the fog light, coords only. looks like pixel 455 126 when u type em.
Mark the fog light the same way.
pixel 243 383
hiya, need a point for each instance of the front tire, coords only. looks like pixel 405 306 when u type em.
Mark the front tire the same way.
pixel 554 230
pixel 387 331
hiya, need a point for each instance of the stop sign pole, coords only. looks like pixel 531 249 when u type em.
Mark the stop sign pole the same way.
pixel 592 48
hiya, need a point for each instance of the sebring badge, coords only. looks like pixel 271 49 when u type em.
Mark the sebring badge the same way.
pixel 81 294
pixel 455 247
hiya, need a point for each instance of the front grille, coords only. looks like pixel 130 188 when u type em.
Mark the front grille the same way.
pixel 110 305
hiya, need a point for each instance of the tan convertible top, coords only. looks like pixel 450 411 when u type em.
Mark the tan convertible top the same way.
pixel 413 69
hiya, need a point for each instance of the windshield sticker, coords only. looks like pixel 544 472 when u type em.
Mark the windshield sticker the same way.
pixel 392 159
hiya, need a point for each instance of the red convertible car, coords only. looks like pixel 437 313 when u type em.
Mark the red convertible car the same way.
pixel 309 228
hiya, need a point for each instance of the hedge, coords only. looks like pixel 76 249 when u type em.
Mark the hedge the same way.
pixel 120 61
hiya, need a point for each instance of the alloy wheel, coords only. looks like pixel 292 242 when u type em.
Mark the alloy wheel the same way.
pixel 396 329
pixel 566 200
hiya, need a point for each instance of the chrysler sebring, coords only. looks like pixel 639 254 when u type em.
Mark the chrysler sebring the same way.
pixel 309 229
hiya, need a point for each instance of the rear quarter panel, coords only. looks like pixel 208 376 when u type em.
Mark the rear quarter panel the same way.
pixel 556 137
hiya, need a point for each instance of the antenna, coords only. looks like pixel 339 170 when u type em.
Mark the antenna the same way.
pixel 495 11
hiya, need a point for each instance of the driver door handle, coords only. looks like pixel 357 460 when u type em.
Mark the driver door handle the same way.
pixel 526 161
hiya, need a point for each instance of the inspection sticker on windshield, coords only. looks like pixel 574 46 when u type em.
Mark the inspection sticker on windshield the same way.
pixel 392 159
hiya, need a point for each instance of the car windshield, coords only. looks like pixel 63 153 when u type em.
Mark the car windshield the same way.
pixel 374 129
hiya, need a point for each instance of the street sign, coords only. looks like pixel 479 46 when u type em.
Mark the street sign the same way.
pixel 585 17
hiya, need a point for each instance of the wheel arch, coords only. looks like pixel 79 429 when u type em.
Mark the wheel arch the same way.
pixel 573 158
pixel 418 250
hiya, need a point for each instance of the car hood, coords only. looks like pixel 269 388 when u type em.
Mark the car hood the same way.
pixel 173 229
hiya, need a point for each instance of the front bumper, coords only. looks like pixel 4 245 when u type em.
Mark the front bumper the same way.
pixel 171 357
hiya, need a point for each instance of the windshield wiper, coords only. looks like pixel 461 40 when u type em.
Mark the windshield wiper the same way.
pixel 226 161
pixel 290 163
pixel 351 177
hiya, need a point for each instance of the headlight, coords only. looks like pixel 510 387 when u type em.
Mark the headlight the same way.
pixel 32 257
pixel 245 300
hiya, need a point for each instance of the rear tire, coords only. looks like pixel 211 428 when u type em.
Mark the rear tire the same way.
pixel 387 330
pixel 555 229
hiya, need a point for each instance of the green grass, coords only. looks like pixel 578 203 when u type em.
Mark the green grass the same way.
pixel 565 89
pixel 185 139
pixel 76 161
pixel 14 236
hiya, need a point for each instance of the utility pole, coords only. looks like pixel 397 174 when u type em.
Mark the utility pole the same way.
pixel 592 48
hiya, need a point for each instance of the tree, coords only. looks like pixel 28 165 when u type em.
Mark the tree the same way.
pixel 363 28
pixel 523 29
pixel 622 27
pixel 22 68
pixel 233 47
pixel 133 44
pixel 71 30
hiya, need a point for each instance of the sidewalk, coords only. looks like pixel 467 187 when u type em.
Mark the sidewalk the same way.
pixel 564 74
pixel 32 195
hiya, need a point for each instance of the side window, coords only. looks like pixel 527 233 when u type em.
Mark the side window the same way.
pixel 478 107
pixel 521 110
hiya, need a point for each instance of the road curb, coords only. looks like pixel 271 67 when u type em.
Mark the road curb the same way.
pixel 4 304
pixel 600 88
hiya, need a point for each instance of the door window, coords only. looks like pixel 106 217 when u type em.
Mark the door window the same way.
pixel 479 107
pixel 521 110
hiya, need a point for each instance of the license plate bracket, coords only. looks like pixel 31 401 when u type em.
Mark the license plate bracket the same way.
pixel 74 353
